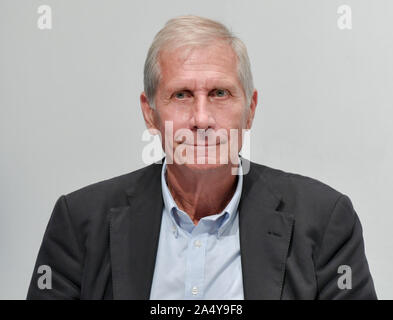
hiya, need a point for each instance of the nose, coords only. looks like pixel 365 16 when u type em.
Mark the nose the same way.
pixel 202 116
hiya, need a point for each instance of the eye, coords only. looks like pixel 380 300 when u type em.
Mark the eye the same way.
pixel 182 95
pixel 220 93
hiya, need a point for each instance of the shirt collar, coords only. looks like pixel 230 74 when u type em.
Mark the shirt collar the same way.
pixel 222 221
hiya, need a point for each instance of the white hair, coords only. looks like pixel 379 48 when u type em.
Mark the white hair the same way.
pixel 194 31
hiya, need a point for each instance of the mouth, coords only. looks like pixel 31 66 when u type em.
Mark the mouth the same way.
pixel 202 145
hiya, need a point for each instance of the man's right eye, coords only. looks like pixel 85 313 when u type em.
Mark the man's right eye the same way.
pixel 181 95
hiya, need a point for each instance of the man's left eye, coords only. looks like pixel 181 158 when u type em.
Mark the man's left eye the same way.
pixel 220 93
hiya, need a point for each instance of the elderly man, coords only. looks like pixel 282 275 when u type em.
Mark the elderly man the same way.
pixel 205 223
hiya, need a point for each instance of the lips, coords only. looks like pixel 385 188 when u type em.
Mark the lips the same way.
pixel 201 145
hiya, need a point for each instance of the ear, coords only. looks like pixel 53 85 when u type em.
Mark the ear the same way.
pixel 148 114
pixel 252 107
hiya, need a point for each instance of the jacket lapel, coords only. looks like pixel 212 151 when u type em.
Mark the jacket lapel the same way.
pixel 134 235
pixel 265 235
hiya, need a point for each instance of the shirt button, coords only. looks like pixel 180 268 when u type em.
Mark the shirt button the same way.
pixel 194 290
pixel 197 244
pixel 174 230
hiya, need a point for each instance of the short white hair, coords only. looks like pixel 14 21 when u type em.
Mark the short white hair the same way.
pixel 194 31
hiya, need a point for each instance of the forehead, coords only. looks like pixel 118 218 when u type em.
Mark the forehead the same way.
pixel 215 63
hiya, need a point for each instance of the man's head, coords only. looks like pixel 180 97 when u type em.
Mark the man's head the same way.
pixel 197 77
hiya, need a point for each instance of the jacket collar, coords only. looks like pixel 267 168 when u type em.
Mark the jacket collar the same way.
pixel 265 235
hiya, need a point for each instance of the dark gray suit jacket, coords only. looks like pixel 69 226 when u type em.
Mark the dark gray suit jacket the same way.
pixel 295 233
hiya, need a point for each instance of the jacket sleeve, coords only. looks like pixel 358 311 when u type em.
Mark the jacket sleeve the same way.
pixel 58 270
pixel 342 270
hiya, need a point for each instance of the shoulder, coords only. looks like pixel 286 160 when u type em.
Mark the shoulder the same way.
pixel 300 194
pixel 313 204
pixel 88 202
pixel 282 181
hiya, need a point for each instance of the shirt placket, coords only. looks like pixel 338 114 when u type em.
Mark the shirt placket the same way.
pixel 195 266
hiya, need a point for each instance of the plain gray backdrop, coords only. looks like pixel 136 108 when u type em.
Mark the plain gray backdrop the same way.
pixel 70 114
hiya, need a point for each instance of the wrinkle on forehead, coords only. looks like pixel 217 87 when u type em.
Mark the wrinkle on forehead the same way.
pixel 215 65
pixel 199 56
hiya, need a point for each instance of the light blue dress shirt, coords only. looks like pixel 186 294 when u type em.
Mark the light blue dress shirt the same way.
pixel 202 261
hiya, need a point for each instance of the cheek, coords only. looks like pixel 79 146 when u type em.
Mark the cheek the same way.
pixel 243 117
pixel 236 119
pixel 176 118
pixel 179 120
pixel 172 122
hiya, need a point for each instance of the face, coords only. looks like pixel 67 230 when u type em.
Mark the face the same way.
pixel 200 96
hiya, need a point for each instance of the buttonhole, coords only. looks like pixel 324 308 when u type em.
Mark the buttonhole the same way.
pixel 272 233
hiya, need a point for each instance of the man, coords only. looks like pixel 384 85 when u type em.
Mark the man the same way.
pixel 189 228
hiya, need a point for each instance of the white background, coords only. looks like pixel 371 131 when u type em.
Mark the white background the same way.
pixel 70 114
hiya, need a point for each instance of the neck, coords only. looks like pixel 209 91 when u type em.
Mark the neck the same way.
pixel 201 192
